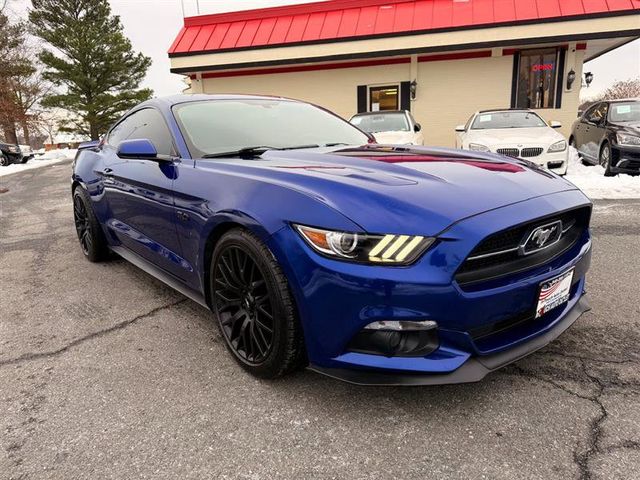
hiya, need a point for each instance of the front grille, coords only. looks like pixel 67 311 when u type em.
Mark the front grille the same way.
pixel 531 152
pixel 498 254
pixel 524 153
pixel 509 152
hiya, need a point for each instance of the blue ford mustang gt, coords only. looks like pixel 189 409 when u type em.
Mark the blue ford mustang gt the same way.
pixel 312 245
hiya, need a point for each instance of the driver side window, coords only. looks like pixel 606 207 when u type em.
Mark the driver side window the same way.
pixel 596 114
pixel 147 123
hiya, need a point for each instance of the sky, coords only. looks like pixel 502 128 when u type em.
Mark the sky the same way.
pixel 153 24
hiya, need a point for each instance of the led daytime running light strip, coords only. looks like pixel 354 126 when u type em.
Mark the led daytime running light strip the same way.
pixel 390 244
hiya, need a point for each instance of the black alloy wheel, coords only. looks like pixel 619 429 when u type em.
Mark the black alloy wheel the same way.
pixel 244 305
pixel 605 160
pixel 83 226
pixel 92 240
pixel 251 300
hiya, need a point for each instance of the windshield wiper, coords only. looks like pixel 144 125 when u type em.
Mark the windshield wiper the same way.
pixel 246 152
pixel 252 152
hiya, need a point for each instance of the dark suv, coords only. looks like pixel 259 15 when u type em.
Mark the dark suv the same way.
pixel 9 154
pixel 608 134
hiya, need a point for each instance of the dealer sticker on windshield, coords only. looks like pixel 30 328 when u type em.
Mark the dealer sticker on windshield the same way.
pixel 554 293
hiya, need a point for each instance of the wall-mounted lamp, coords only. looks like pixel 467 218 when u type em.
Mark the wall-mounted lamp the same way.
pixel 414 89
pixel 588 78
pixel 571 77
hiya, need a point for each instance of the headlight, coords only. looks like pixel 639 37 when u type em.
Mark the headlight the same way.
pixel 476 147
pixel 560 146
pixel 364 248
pixel 626 139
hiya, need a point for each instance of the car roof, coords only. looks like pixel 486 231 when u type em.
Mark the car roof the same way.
pixel 171 100
pixel 381 112
pixel 617 100
pixel 497 110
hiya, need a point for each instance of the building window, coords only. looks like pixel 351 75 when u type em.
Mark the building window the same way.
pixel 537 78
pixel 384 98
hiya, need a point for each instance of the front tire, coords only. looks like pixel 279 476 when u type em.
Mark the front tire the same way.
pixel 605 159
pixel 4 160
pixel 251 300
pixel 92 240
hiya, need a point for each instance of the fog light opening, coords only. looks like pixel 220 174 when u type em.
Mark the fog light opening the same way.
pixel 402 325
pixel 397 338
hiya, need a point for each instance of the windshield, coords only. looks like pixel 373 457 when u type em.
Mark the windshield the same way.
pixel 219 126
pixel 384 122
pixel 625 112
pixel 487 121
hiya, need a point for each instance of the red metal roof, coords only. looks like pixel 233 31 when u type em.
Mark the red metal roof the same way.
pixel 352 19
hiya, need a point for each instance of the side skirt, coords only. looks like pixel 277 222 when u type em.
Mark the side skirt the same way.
pixel 160 274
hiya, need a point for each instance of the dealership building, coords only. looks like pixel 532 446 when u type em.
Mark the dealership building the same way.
pixel 441 59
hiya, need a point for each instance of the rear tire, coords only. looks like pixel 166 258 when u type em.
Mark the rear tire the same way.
pixel 605 159
pixel 4 161
pixel 251 300
pixel 92 240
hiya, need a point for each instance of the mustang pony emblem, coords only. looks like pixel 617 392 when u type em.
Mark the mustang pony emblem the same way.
pixel 542 237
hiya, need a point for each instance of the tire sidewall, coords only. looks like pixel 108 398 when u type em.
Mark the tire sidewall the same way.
pixel 98 250
pixel 282 315
pixel 607 167
pixel 4 160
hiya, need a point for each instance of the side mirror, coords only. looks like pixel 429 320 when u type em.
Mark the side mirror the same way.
pixel 460 128
pixel 417 127
pixel 138 148
pixel 555 124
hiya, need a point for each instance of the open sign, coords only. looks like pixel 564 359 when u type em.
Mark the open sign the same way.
pixel 542 67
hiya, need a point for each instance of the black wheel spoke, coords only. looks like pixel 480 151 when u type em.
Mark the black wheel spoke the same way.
pixel 242 302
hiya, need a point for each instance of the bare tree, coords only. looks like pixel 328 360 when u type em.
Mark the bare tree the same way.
pixel 621 89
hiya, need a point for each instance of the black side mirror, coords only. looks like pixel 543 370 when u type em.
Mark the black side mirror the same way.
pixel 417 127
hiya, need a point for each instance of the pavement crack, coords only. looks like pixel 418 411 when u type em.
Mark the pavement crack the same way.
pixel 28 357
pixel 590 359
pixel 595 433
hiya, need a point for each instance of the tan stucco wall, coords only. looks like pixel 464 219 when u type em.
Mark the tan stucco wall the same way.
pixel 448 91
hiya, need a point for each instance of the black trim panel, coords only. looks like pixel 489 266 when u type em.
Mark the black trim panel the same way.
pixel 363 102
pixel 514 79
pixel 405 96
pixel 409 51
pixel 560 78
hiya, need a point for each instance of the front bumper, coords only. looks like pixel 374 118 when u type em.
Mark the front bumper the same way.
pixel 473 370
pixel 336 300
pixel 626 159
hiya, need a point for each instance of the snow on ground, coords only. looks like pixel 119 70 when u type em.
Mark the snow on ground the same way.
pixel 49 158
pixel 595 185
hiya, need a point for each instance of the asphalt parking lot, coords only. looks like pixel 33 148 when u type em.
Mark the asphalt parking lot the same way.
pixel 107 373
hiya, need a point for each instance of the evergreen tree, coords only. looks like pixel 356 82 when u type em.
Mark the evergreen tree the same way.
pixel 93 62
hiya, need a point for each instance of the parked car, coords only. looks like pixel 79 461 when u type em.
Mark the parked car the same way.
pixel 27 153
pixel 372 264
pixel 9 153
pixel 608 134
pixel 516 133
pixel 391 127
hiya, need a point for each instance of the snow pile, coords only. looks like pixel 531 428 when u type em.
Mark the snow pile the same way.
pixel 49 158
pixel 595 185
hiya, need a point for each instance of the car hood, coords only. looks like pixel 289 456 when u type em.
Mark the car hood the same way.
pixel 515 136
pixel 632 128
pixel 394 137
pixel 403 190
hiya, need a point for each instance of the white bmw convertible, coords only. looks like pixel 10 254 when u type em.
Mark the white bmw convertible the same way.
pixel 516 133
